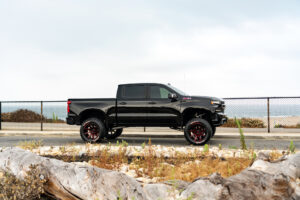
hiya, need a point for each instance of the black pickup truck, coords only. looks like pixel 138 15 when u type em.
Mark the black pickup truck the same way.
pixel 144 105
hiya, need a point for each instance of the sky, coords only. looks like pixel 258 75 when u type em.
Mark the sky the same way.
pixel 60 49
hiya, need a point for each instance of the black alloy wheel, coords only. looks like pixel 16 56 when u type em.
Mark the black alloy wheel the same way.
pixel 92 130
pixel 198 131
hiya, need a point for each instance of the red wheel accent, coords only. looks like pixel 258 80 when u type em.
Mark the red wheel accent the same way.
pixel 197 132
pixel 91 131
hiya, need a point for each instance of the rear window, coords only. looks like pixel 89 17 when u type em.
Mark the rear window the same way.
pixel 134 92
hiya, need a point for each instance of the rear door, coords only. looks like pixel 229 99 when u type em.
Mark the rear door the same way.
pixel 162 111
pixel 132 105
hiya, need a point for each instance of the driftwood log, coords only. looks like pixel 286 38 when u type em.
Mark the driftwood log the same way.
pixel 263 180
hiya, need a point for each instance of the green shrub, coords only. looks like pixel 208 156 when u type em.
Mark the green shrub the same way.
pixel 206 148
pixel 245 123
pixel 242 137
pixel 287 126
pixel 278 126
pixel 292 147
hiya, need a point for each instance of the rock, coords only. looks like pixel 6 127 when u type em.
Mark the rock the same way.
pixel 263 180
pixel 72 181
pixel 160 191
pixel 178 184
pixel 202 189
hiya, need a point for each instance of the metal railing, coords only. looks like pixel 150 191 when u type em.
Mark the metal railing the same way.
pixel 32 115
pixel 274 112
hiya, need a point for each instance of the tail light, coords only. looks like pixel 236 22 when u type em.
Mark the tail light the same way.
pixel 68 108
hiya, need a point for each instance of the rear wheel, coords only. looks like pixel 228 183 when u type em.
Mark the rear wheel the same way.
pixel 92 130
pixel 113 134
pixel 197 131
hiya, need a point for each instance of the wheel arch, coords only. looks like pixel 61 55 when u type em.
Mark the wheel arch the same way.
pixel 190 113
pixel 91 113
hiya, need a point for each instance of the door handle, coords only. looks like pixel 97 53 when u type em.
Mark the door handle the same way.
pixel 152 102
pixel 123 103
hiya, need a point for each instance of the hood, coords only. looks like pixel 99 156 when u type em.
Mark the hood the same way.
pixel 205 98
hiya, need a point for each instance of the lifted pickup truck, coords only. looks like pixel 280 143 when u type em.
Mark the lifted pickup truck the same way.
pixel 147 104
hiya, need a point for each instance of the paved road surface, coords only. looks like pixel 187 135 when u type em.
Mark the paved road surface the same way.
pixel 64 127
pixel 226 142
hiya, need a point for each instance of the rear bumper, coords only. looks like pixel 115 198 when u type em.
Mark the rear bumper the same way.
pixel 72 120
pixel 219 119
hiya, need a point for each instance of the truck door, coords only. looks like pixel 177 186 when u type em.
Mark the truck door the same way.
pixel 132 105
pixel 162 111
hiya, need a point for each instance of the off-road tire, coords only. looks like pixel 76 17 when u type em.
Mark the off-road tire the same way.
pixel 198 131
pixel 113 134
pixel 92 130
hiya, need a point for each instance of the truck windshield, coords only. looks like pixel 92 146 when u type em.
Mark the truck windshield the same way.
pixel 178 91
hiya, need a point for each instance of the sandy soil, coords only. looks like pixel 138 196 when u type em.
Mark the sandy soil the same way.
pixel 282 120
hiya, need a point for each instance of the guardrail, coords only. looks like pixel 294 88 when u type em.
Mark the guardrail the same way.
pixel 275 112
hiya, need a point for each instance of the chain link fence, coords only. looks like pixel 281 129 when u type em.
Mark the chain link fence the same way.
pixel 267 114
pixel 34 115
pixel 271 113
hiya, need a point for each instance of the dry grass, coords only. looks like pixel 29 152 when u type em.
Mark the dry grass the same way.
pixel 274 155
pixel 29 145
pixel 181 166
pixel 189 170
pixel 32 187
pixel 107 160
pixel 245 123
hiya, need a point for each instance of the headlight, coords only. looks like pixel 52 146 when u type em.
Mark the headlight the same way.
pixel 215 102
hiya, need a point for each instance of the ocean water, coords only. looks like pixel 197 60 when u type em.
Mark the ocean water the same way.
pixel 252 111
pixel 233 109
pixel 58 109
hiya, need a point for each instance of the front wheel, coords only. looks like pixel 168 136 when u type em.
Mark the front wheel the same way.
pixel 197 131
pixel 113 134
pixel 92 130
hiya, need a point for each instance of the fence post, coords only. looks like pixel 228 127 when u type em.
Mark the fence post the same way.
pixel 0 115
pixel 41 115
pixel 268 102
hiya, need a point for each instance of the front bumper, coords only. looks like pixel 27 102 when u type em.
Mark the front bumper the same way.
pixel 218 119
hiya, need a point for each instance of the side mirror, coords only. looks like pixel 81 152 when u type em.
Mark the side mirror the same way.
pixel 172 96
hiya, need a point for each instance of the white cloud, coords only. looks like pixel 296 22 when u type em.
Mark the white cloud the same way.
pixel 253 57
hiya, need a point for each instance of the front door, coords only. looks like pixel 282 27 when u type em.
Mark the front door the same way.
pixel 162 110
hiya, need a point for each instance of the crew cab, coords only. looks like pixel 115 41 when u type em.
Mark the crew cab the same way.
pixel 147 105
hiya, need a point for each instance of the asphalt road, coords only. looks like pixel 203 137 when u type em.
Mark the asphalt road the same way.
pixel 280 144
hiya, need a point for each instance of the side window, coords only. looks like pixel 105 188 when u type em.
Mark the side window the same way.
pixel 157 92
pixel 134 92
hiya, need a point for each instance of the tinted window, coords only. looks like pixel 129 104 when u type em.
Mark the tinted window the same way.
pixel 158 92
pixel 134 92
